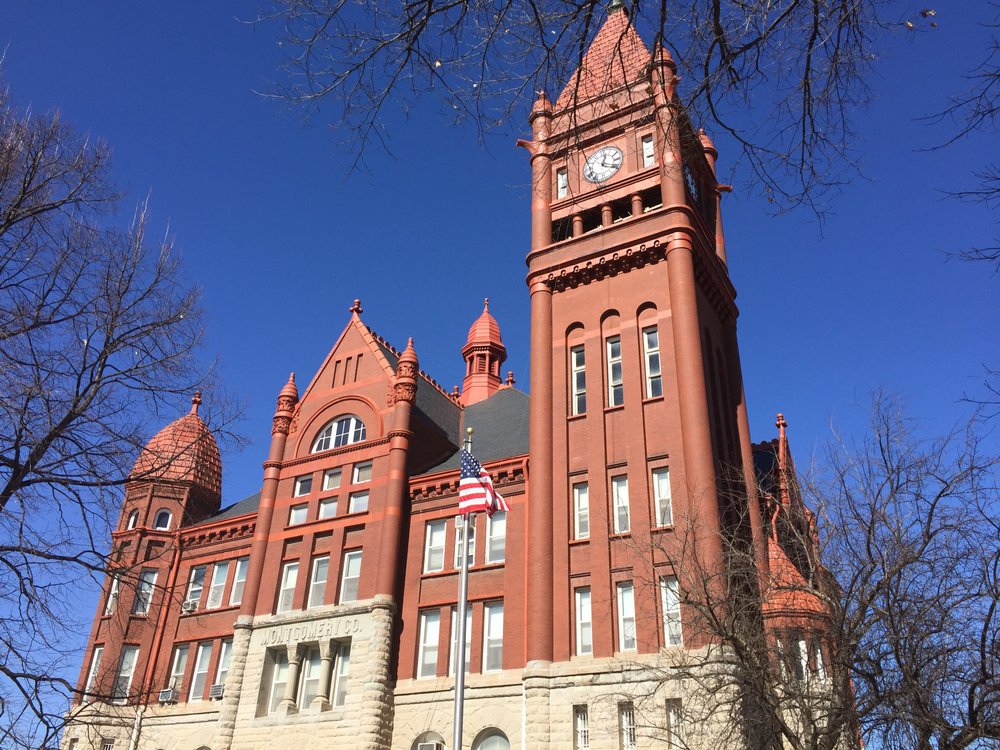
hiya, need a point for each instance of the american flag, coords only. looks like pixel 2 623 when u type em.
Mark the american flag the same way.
pixel 475 491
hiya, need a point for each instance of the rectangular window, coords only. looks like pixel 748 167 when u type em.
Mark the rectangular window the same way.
pixel 817 649
pixel 662 498
pixel 362 473
pixel 200 678
pixel 239 580
pixel 626 726
pixel 584 626
pixel 471 553
pixel 651 354
pixel 112 601
pixel 675 724
pixel 343 665
pixel 352 574
pixel 452 654
pixel 626 617
pixel 670 601
pixel 327 508
pixel 95 665
pixel 616 391
pixel 581 511
pixel 317 581
pixel 581 728
pixel 286 595
pixel 178 669
pixel 648 155
pixel 430 631
pixel 578 380
pixel 359 502
pixel 196 584
pixel 493 637
pixel 144 592
pixel 279 679
pixel 107 745
pixel 434 535
pixel 225 656
pixel 303 486
pixel 619 493
pixel 496 537
pixel 123 677
pixel 562 182
pixel 298 514
pixel 309 687
pixel 331 479
pixel 218 586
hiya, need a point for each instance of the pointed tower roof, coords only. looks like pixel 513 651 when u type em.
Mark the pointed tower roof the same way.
pixel 485 331
pixel 185 450
pixel 484 352
pixel 616 57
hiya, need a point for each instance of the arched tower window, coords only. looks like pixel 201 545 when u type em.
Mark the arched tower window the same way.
pixel 133 519
pixel 162 520
pixel 491 739
pixel 344 430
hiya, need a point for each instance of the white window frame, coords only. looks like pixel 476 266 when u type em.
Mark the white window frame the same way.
pixel 346 429
pixel 675 724
pixel 496 537
pixel 196 584
pixel 670 605
pixel 120 692
pixel 581 728
pixel 133 520
pixel 279 679
pixel 144 589
pixel 327 508
pixel 493 636
pixel 427 650
pixel 309 676
pixel 452 654
pixel 817 650
pixel 358 502
pixel 303 485
pixel 583 616
pixel 648 150
pixel 111 603
pixel 562 182
pixel 107 744
pixel 663 504
pixel 625 594
pixel 619 496
pixel 361 472
pixel 626 726
pixel 178 668
pixel 220 572
pixel 616 380
pixel 165 525
pixel 471 553
pixel 651 358
pixel 581 510
pixel 351 576
pixel 95 667
pixel 286 590
pixel 435 534
pixel 578 380
pixel 317 586
pixel 331 479
pixel 338 692
pixel 298 514
pixel 225 656
pixel 199 677
pixel 239 580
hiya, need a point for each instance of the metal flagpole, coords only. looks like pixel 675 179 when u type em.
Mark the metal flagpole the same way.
pixel 463 594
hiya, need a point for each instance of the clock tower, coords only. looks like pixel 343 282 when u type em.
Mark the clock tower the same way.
pixel 636 390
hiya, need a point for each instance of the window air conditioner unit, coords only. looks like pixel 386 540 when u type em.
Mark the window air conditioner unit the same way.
pixel 189 606
pixel 168 695
pixel 215 692
pixel 430 746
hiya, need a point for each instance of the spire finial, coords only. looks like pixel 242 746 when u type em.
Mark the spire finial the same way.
pixel 615 5
pixel 195 402
pixel 356 307
pixel 486 304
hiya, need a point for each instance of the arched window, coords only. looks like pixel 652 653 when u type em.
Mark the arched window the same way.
pixel 162 521
pixel 491 739
pixel 133 519
pixel 342 431
pixel 427 738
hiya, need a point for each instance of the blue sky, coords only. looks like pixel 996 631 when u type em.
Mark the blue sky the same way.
pixel 281 235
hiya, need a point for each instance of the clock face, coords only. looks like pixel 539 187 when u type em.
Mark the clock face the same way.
pixel 602 164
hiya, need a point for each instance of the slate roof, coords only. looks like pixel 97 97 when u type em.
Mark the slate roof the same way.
pixel 244 506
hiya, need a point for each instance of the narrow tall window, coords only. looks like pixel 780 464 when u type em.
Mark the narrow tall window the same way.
pixel 619 493
pixel 239 580
pixel 144 592
pixel 430 631
pixel 200 677
pixel 286 594
pixel 584 626
pixel 279 679
pixel 298 514
pixel 162 520
pixel 95 666
pixel 303 486
pixel 178 669
pixel 196 584
pixel 123 677
pixel 218 586
pixel 309 686
pixel 458 546
pixel 562 182
pixel 362 473
pixel 351 577
pixel 662 498
pixel 675 724
pixel 452 653
pixel 496 537
pixel 317 581
pixel 434 535
pixel 133 519
pixel 616 391
pixel 626 617
pixel 112 601
pixel 358 502
pixel 626 726
pixel 670 601
pixel 648 155
pixel 651 352
pixel 817 649
pixel 581 511
pixel 581 728
pixel 331 479
pixel 493 637
pixel 578 380
pixel 225 656
pixel 341 668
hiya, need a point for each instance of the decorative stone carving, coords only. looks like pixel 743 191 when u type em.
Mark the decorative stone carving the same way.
pixel 281 425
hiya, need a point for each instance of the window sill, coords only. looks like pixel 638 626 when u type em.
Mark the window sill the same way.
pixel 585 540
pixel 663 527
pixel 652 399
pixel 576 417
pixel 617 407
pixel 620 534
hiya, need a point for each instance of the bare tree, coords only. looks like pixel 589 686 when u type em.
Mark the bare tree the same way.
pixel 97 330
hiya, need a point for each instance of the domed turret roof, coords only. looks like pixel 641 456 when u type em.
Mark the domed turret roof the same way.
pixel 185 450
pixel 485 330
